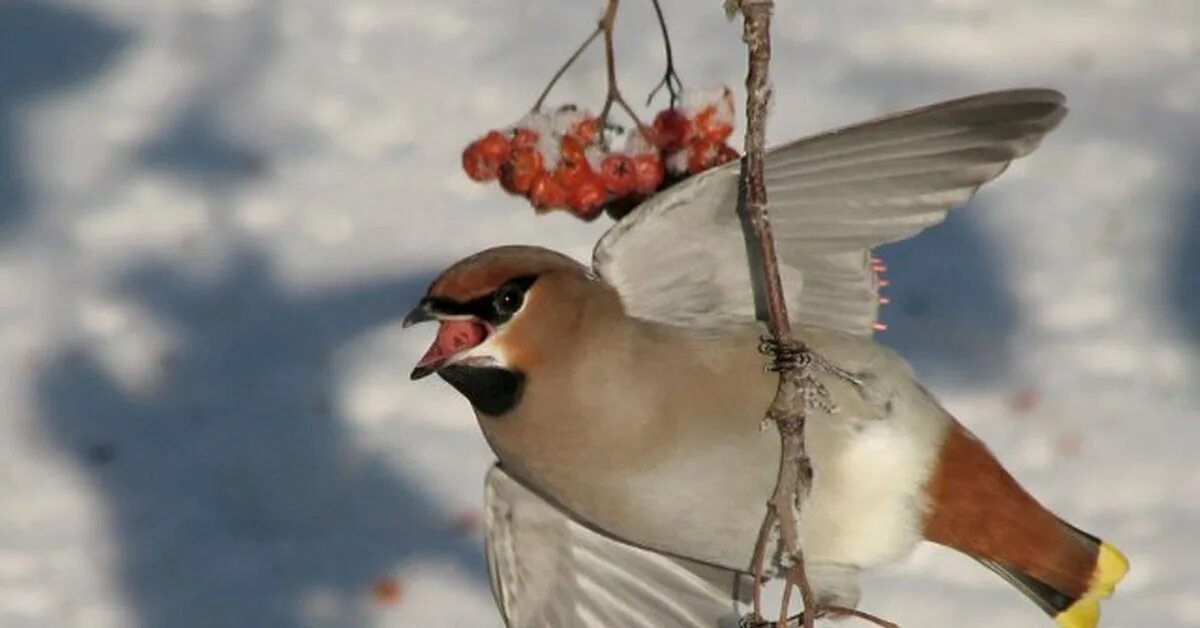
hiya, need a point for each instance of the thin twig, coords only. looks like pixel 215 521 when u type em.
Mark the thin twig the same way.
pixel 613 94
pixel 566 66
pixel 788 408
pixel 854 612
pixel 799 390
pixel 798 577
pixel 670 78
pixel 836 612
pixel 758 564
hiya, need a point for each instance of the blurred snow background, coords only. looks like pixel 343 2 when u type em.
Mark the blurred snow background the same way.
pixel 214 212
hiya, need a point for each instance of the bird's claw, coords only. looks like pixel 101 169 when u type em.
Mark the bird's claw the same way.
pixel 754 620
pixel 795 356
pixel 785 356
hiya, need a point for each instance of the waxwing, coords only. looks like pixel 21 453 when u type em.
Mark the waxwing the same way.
pixel 624 400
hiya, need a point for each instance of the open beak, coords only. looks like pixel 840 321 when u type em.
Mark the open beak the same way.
pixel 419 314
pixel 453 337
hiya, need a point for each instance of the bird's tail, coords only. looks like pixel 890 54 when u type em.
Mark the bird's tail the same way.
pixel 980 509
pixel 1081 610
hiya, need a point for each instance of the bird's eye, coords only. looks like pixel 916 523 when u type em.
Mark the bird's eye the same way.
pixel 508 300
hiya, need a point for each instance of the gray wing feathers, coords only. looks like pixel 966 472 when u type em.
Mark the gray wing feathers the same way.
pixel 549 571
pixel 831 198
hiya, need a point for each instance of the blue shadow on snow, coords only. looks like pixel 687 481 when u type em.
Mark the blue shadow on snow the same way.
pixel 44 49
pixel 951 312
pixel 233 487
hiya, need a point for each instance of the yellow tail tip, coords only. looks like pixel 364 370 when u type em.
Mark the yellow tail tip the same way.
pixel 1111 567
pixel 1082 614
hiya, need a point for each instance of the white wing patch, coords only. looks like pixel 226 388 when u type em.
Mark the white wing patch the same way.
pixel 681 257
pixel 549 571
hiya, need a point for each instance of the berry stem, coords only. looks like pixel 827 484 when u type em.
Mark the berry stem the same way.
pixel 614 93
pixel 565 66
pixel 670 78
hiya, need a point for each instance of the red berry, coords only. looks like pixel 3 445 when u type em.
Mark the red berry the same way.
pixel 726 154
pixel 650 173
pixel 702 155
pixel 573 149
pixel 524 138
pixel 570 173
pixel 672 130
pixel 573 167
pixel 483 157
pixel 546 193
pixel 494 149
pixel 709 125
pixel 587 198
pixel 585 130
pixel 619 174
pixel 517 174
pixel 474 164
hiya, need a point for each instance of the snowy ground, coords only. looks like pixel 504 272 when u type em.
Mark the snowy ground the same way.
pixel 213 212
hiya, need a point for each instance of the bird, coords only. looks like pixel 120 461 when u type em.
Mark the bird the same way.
pixel 628 394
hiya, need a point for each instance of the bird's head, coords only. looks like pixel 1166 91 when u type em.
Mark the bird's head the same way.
pixel 498 312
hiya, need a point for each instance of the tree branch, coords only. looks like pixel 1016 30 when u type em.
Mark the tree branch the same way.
pixel 799 390
pixel 788 409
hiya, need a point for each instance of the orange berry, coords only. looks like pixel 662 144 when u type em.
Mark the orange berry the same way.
pixel 524 138
pixel 483 157
pixel 587 198
pixel 650 173
pixel 473 163
pixel 726 154
pixel 546 193
pixel 573 149
pixel 709 125
pixel 516 174
pixel 702 155
pixel 672 130
pixel 493 150
pixel 585 130
pixel 573 167
pixel 495 146
pixel 619 174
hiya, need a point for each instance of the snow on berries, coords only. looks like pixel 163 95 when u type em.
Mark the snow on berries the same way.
pixel 564 160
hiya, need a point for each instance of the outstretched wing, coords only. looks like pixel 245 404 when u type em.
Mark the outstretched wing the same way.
pixel 547 570
pixel 681 257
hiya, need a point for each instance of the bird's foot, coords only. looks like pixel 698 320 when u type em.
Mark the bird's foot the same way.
pixel 793 355
pixel 795 361
pixel 785 356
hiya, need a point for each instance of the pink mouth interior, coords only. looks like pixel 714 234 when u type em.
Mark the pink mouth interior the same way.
pixel 453 337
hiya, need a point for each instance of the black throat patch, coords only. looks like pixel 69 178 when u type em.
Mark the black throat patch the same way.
pixel 492 391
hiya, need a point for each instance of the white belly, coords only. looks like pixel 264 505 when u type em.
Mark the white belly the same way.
pixel 871 461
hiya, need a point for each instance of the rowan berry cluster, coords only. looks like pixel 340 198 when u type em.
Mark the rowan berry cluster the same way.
pixel 565 160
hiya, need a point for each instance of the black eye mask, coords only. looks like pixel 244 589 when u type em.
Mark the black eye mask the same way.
pixel 495 308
